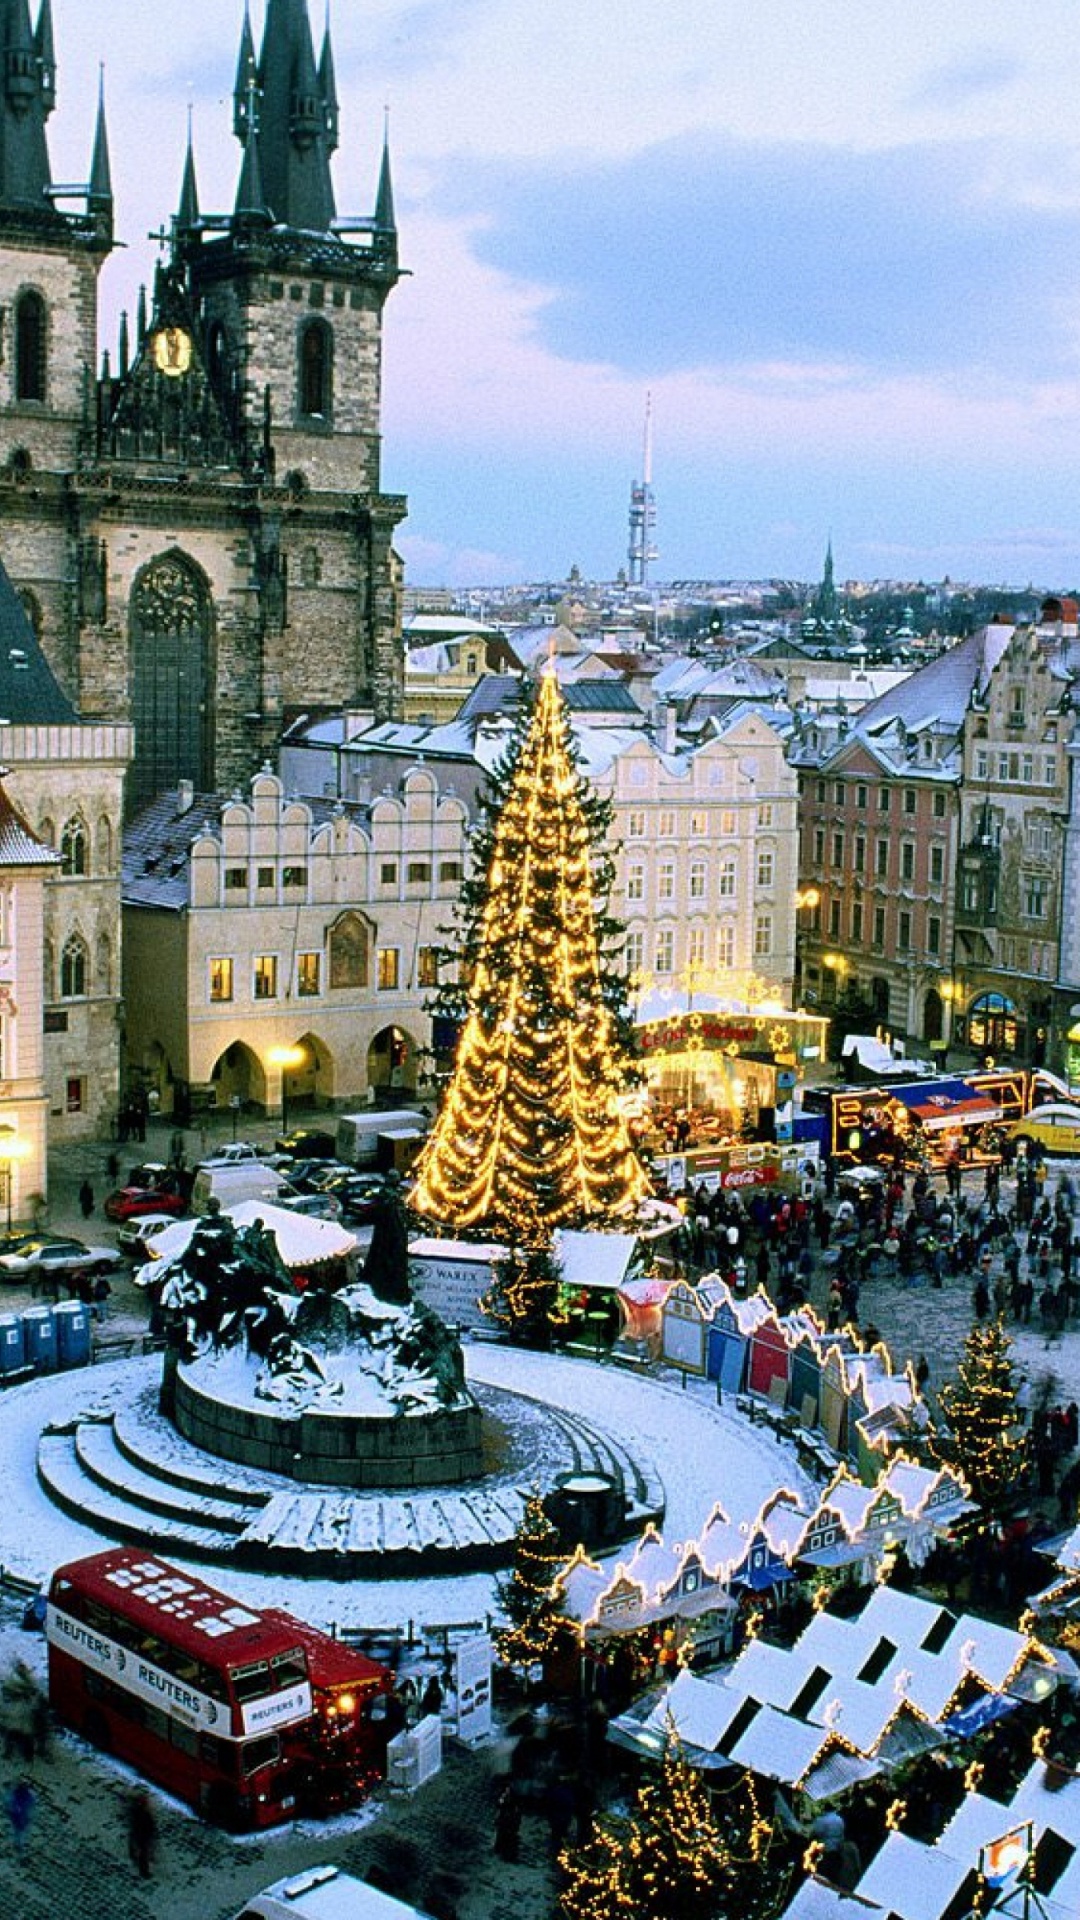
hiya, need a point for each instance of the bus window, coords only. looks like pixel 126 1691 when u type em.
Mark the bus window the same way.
pixel 184 1739
pixel 263 1752
pixel 251 1683
pixel 290 1669
pixel 214 1752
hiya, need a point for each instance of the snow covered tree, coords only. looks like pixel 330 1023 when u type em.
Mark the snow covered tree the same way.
pixel 667 1856
pixel 985 1438
pixel 531 1134
pixel 530 1598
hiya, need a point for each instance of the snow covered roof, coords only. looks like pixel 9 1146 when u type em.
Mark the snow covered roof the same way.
pixel 702 1711
pixel 593 1259
pixel 301 1242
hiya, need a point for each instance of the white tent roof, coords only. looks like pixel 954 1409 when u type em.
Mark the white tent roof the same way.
pixel 301 1241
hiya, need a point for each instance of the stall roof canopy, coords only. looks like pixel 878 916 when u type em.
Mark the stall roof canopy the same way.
pixel 594 1259
pixel 946 1103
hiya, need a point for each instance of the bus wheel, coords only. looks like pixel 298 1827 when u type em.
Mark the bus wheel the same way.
pixel 96 1730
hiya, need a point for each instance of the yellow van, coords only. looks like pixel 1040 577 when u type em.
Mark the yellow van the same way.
pixel 1056 1129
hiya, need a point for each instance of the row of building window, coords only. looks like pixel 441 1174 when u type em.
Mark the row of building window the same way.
pixel 1016 768
pixel 663 824
pixel 857 927
pixel 909 798
pixel 882 850
pixel 294 879
pixel 697 889
pixel 697 947
pixel 266 974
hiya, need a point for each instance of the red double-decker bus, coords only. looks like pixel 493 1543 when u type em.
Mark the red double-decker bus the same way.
pixel 250 1716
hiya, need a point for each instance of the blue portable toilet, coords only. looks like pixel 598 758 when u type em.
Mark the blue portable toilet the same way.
pixel 12 1350
pixel 72 1321
pixel 39 1333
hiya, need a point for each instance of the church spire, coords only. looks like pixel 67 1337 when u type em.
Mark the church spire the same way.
pixel 251 209
pixel 45 51
pixel 385 221
pixel 328 88
pixel 27 92
pixel 99 202
pixel 187 216
pixel 293 122
pixel 247 79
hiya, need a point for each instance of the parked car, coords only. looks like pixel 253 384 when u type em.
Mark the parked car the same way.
pixel 134 1236
pixel 314 1206
pixel 360 1197
pixel 232 1151
pixel 308 1143
pixel 325 1177
pixel 127 1202
pixel 41 1258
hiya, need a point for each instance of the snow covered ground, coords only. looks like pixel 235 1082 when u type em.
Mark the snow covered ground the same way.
pixel 703 1453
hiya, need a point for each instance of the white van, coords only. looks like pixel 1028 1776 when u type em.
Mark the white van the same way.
pixel 232 1182
pixel 358 1133
pixel 326 1893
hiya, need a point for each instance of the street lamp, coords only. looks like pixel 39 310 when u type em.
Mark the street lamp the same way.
pixel 287 1060
pixel 12 1149
pixel 807 899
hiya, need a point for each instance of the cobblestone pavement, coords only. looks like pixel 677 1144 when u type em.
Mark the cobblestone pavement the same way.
pixel 435 1847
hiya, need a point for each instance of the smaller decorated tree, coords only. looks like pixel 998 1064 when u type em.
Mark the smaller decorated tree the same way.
pixel 523 1297
pixel 531 1600
pixel 667 1856
pixel 985 1437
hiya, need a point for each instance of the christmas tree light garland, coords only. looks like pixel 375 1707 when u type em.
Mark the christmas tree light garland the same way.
pixel 530 1135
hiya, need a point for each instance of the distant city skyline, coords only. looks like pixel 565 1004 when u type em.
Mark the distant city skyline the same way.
pixel 834 242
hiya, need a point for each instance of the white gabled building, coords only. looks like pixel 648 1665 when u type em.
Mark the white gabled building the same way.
pixel 280 951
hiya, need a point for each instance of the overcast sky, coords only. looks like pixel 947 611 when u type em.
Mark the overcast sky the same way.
pixel 839 240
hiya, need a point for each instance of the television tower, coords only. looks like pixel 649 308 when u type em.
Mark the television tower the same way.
pixel 643 512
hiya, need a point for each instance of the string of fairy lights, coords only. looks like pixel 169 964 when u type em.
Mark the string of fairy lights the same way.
pixel 531 1135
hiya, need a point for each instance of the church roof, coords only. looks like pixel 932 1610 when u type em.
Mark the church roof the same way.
pixel 19 844
pixel 30 695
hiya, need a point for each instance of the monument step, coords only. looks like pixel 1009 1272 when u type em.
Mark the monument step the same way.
pixel 146 1438
pixel 67 1484
pixel 100 1457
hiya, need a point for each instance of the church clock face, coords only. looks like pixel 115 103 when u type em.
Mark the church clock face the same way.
pixel 171 348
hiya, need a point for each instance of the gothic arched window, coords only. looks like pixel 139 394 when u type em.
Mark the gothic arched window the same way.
pixel 74 968
pixel 172 681
pixel 104 844
pixel 349 952
pixel 316 370
pixel 73 849
pixel 31 346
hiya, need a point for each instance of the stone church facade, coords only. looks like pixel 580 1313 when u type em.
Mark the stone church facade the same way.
pixel 194 544
pixel 198 532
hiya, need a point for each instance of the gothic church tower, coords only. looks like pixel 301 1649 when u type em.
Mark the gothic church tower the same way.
pixel 199 534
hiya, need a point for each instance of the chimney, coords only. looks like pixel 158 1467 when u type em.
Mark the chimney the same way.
pixel 670 718
pixel 185 796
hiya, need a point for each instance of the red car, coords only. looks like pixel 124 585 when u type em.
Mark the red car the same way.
pixel 128 1202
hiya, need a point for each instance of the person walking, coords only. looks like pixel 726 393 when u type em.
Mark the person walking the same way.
pixel 20 1803
pixel 142 1833
pixel 86 1199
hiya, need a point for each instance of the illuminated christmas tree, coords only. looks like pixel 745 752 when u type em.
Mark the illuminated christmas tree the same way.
pixel 985 1439
pixel 530 1598
pixel 666 1857
pixel 531 1134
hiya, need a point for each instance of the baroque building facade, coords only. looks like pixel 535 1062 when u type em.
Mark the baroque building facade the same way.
pixel 199 534
pixel 936 841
